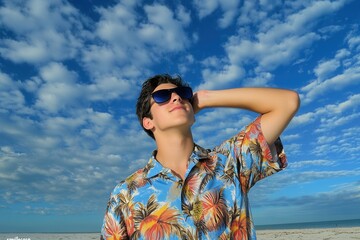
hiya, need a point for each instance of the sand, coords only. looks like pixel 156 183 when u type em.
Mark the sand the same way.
pixel 310 234
pixel 349 233
pixel 49 236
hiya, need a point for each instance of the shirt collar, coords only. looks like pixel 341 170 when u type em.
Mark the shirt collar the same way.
pixel 153 167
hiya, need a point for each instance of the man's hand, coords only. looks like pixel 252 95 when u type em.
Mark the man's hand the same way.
pixel 198 100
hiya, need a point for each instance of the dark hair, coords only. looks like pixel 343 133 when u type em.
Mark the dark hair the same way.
pixel 143 101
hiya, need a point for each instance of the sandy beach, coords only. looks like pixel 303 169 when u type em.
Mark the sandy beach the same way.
pixel 49 236
pixel 347 233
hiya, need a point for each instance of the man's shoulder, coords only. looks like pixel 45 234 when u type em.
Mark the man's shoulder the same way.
pixel 134 180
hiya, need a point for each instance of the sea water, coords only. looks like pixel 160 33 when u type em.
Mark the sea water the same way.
pixel 304 225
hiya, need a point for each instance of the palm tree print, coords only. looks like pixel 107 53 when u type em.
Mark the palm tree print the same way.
pixel 126 210
pixel 136 180
pixel 210 203
pixel 156 221
pixel 113 230
pixel 215 210
pixel 240 225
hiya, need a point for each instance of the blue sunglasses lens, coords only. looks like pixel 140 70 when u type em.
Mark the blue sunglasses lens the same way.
pixel 164 95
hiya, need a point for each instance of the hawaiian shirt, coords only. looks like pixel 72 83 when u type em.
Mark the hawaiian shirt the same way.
pixel 210 203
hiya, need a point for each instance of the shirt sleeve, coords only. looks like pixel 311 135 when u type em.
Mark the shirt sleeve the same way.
pixel 253 158
pixel 114 226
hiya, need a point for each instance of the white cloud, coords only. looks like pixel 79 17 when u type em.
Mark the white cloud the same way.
pixel 350 133
pixel 255 12
pixel 103 57
pixel 329 115
pixel 310 205
pixel 131 43
pixel 274 45
pixel 217 73
pixel 56 152
pixel 21 51
pixel 290 137
pixel 342 53
pixel 229 8
pixel 261 79
pixel 11 98
pixel 205 8
pixel 292 149
pixel 327 31
pixel 311 163
pixel 221 123
pixel 334 74
pixel 281 42
pixel 325 139
pixel 210 117
pixel 59 89
pixel 45 31
pixel 353 102
pixel 163 30
pixel 108 88
pixel 336 83
pixel 326 68
pixel 183 15
pixel 354 42
pixel 116 22
pixel 185 65
pixel 221 77
pixel 304 118
pixel 333 122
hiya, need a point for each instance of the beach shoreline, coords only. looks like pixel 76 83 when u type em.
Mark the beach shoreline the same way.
pixel 336 233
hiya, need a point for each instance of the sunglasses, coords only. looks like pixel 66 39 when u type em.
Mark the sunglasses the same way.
pixel 164 95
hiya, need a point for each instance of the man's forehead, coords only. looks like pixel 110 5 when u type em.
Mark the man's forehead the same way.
pixel 165 86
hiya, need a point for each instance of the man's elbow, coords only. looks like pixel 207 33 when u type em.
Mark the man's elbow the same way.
pixel 293 102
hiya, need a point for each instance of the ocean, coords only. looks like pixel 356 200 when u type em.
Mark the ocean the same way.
pixel 91 236
pixel 325 224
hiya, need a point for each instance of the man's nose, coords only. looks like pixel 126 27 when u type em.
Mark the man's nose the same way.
pixel 175 97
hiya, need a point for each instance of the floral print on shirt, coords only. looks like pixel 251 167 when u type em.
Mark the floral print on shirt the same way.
pixel 210 203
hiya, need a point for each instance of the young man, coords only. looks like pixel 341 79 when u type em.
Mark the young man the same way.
pixel 186 191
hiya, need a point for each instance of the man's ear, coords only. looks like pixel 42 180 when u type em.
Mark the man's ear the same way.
pixel 147 123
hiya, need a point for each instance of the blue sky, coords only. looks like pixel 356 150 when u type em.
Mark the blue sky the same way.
pixel 70 73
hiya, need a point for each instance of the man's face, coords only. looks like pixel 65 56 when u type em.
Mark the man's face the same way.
pixel 176 113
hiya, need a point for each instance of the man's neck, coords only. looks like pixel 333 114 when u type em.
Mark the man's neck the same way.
pixel 173 152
